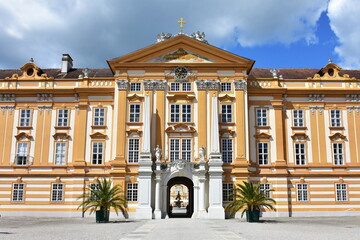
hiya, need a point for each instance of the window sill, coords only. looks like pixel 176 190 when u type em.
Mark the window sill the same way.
pixel 262 127
pixel 336 128
pixel 24 127
pixel 99 127
pixel 299 128
pixel 62 127
pixel 227 123
pixel 134 123
pixel 175 123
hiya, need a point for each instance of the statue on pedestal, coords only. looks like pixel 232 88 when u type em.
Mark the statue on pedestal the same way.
pixel 158 153
pixel 202 153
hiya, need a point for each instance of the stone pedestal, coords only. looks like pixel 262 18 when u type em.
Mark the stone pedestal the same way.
pixel 215 210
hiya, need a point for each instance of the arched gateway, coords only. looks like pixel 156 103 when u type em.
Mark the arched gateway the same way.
pixel 178 203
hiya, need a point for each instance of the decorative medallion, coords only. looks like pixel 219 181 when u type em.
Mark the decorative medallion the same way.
pixel 181 73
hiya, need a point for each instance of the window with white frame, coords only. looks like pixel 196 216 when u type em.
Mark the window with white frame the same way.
pixel 228 191
pixel 25 117
pixel 335 118
pixel 226 113
pixel 341 192
pixel 57 192
pixel 60 153
pixel 261 117
pixel 186 87
pixel 226 87
pixel 22 153
pixel 132 192
pixel 175 86
pixel 97 152
pixel 265 188
pixel 185 112
pixel 263 153
pixel 338 153
pixel 300 154
pixel 134 149
pixel 18 192
pixel 302 192
pixel 134 113
pixel 63 118
pixel 180 147
pixel 298 117
pixel 93 187
pixel 99 116
pixel 227 150
pixel 135 87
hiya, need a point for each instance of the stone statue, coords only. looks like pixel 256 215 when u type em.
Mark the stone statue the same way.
pixel 158 153
pixel 199 36
pixel 202 153
pixel 162 37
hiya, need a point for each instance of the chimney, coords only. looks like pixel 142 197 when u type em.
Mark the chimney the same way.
pixel 67 63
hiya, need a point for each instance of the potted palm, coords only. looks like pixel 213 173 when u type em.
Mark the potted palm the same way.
pixel 251 200
pixel 103 197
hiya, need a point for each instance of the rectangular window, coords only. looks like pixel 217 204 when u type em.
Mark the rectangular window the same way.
pixel 25 115
pixel 175 86
pixel 302 192
pixel 97 152
pixel 335 118
pixel 228 190
pixel 134 113
pixel 265 188
pixel 186 113
pixel 99 116
pixel 135 87
pixel 338 153
pixel 132 192
pixel 22 153
pixel 134 150
pixel 174 149
pixel 341 192
pixel 186 87
pixel 60 153
pixel 18 192
pixel 263 153
pixel 57 192
pixel 261 117
pixel 174 113
pixel 93 187
pixel 298 118
pixel 300 153
pixel 226 87
pixel 184 151
pixel 63 117
pixel 226 113
pixel 227 150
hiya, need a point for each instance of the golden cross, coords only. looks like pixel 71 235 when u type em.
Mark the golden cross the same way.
pixel 181 22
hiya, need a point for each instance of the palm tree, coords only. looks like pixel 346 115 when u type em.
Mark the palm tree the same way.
pixel 249 199
pixel 104 197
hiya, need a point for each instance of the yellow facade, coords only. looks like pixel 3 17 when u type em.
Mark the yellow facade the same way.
pixel 278 127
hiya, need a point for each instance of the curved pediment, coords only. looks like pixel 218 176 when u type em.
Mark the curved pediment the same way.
pixel 180 128
pixel 30 71
pixel 98 135
pixel 337 136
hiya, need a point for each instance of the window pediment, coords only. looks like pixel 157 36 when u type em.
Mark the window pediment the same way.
pixel 337 136
pixel 299 136
pixel 23 135
pixel 226 98
pixel 61 136
pixel 180 128
pixel 262 135
pixel 134 132
pixel 135 98
pixel 181 98
pixel 98 135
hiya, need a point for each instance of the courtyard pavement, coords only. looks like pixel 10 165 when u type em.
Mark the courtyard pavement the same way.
pixel 327 228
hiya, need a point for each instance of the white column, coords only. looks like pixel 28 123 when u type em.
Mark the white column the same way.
pixel 157 211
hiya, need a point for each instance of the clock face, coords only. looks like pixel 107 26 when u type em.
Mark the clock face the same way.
pixel 181 73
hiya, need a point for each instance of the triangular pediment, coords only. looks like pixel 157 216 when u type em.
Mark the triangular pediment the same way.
pixel 180 49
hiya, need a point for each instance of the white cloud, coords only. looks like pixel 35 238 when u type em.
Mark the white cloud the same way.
pixel 344 21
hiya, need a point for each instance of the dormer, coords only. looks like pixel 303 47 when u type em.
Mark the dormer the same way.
pixel 330 72
pixel 30 71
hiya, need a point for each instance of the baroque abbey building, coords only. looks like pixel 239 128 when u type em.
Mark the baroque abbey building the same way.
pixel 180 113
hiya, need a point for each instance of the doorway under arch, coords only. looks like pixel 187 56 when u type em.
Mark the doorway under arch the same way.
pixel 189 209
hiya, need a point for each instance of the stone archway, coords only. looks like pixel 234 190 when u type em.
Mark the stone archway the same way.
pixel 190 185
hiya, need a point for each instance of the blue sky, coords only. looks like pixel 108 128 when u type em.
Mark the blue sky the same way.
pixel 274 33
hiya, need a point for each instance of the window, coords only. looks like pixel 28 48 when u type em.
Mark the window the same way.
pixel 93 187
pixel 18 192
pixel 226 113
pixel 298 118
pixel 335 118
pixel 341 192
pixel 227 150
pixel 25 117
pixel 265 188
pixel 338 154
pixel 227 192
pixel 186 87
pixel 135 87
pixel 261 117
pixel 57 192
pixel 22 153
pixel 263 153
pixel 134 150
pixel 175 86
pixel 184 152
pixel 132 192
pixel 300 153
pixel 134 113
pixel 226 87
pixel 175 112
pixel 60 153
pixel 99 116
pixel 63 117
pixel 302 192
pixel 97 152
